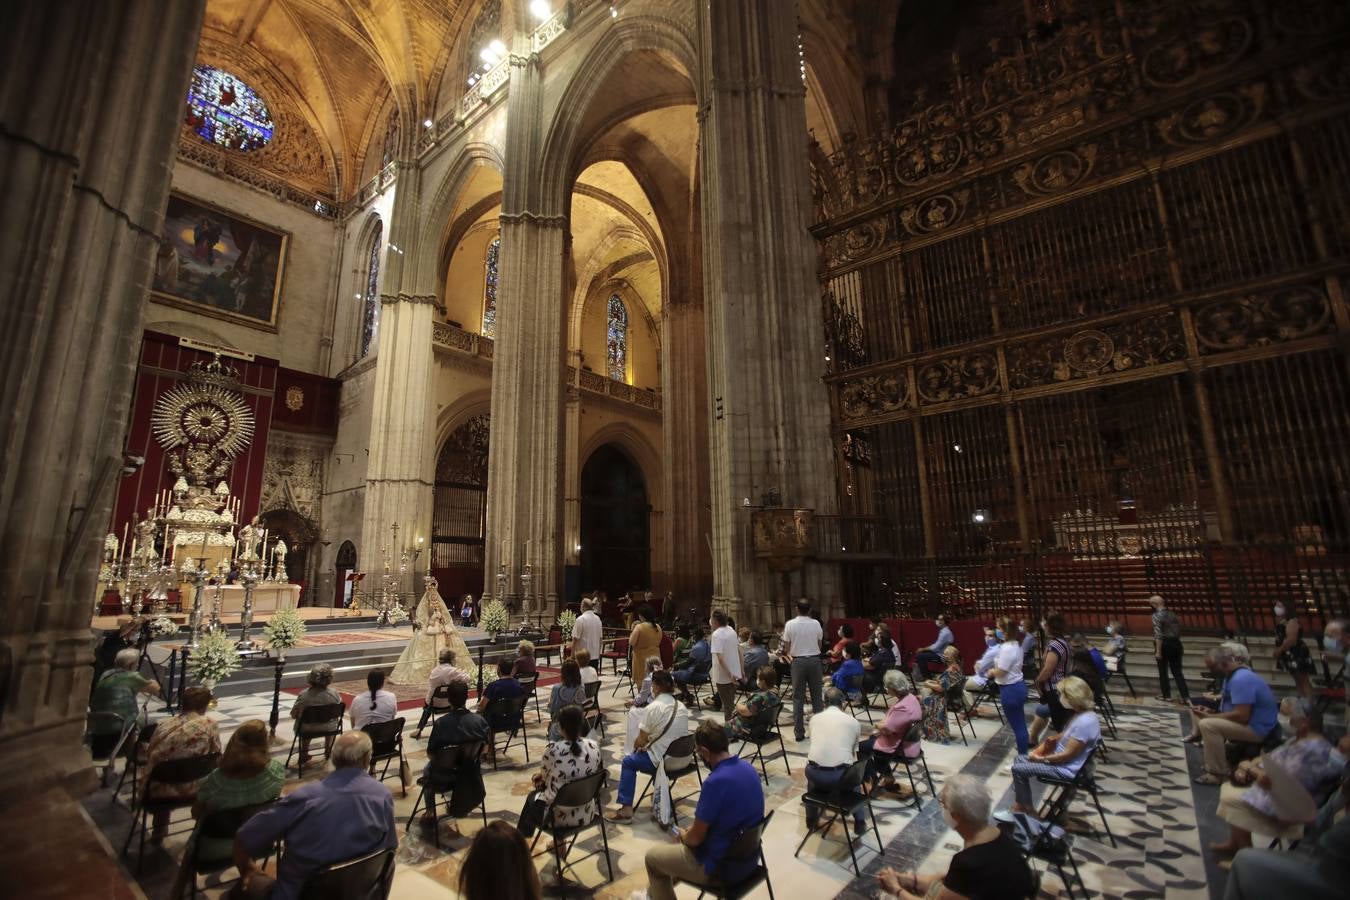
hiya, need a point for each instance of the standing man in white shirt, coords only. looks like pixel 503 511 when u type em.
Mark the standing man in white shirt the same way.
pixel 834 747
pixel 801 640
pixel 726 662
pixel 587 632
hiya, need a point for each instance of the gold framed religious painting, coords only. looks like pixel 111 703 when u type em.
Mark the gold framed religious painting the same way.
pixel 219 264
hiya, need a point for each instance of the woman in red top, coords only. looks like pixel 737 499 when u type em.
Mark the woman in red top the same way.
pixel 837 651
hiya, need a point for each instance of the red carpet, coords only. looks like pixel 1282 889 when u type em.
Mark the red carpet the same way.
pixel 353 637
pixel 410 696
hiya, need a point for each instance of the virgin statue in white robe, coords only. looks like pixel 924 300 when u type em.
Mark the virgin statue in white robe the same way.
pixel 434 632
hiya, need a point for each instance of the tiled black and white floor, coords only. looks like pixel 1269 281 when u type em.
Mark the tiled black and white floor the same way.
pixel 1148 796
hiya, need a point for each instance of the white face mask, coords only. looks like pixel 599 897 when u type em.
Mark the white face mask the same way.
pixel 1110 630
pixel 1279 612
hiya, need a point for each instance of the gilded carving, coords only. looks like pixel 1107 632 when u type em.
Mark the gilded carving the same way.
pixel 1213 117
pixel 1192 53
pixel 933 213
pixel 1256 320
pixel 972 375
pixel 871 395
pixel 1134 344
pixel 1056 171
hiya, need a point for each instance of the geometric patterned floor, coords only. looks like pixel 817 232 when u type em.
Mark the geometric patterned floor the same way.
pixel 1146 785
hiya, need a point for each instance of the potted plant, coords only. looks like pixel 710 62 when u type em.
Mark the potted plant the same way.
pixel 163 627
pixel 284 631
pixel 566 620
pixel 494 619
pixel 215 659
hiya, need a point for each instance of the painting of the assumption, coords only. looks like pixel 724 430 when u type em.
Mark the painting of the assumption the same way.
pixel 219 264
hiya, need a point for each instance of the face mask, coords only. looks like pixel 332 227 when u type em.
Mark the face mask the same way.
pixel 948 818
pixel 1110 630
pixel 1279 612
pixel 1330 644
pixel 1336 758
pixel 1284 722
pixel 1022 629
pixel 990 642
pixel 999 634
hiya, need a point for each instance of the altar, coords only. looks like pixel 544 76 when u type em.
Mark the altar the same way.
pixel 267 598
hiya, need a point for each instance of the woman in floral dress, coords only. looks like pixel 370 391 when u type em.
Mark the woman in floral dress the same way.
pixel 934 698
pixel 748 712
pixel 184 736
pixel 567 759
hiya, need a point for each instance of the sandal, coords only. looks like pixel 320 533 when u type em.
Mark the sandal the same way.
pixel 1191 739
pixel 1207 778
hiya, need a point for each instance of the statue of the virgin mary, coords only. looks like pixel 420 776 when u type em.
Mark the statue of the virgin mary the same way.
pixel 434 632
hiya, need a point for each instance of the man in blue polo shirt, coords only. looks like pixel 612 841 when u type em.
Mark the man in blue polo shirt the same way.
pixel 1247 713
pixel 731 801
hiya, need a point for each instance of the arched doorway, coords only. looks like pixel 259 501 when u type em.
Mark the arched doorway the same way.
pixel 459 510
pixel 299 534
pixel 345 565
pixel 615 524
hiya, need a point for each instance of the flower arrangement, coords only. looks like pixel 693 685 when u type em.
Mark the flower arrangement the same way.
pixel 284 630
pixel 215 659
pixel 494 619
pixel 163 627
pixel 391 613
pixel 566 620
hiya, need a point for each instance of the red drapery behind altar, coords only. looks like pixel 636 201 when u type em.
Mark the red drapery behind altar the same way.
pixel 162 364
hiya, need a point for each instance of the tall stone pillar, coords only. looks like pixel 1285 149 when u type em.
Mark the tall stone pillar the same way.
pixel 91 97
pixel 770 413
pixel 684 417
pixel 525 457
pixel 400 475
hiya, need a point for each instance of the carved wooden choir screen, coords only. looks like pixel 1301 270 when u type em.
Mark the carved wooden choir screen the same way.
pixel 1086 303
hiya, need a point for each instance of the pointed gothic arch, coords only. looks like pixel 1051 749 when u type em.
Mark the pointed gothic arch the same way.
pixel 459 508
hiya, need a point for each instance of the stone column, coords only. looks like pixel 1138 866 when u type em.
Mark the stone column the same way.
pixel 91 97
pixel 770 411
pixel 686 526
pixel 525 458
pixel 400 474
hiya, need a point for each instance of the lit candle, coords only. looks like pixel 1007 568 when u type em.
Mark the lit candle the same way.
pixel 132 555
pixel 166 540
pixel 126 526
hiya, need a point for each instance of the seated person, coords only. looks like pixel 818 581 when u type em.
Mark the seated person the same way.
pixel 377 706
pixel 1265 874
pixel 504 686
pixel 116 692
pixel 1085 666
pixel 1247 712
pixel 698 665
pixel 680 648
pixel 754 658
pixel 566 759
pixel 877 664
pixel 1210 699
pixel 989 866
pixel 664 721
pixel 567 692
pixel 588 673
pixel 932 654
pixel 748 714
pixel 188 734
pixel 1115 640
pixel 247 776
pixel 1245 803
pixel 498 866
pixel 731 801
pixel 637 706
pixel 849 669
pixel 443 673
pixel 893 730
pixel 1060 755
pixel 466 610
pixel 845 636
pixel 458 726
pixel 980 679
pixel 834 747
pixel 318 693
pixel 743 637
pixel 346 815
pixel 525 662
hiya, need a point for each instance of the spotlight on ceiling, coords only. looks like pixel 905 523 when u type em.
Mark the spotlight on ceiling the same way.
pixel 541 9
pixel 980 517
pixel 427 123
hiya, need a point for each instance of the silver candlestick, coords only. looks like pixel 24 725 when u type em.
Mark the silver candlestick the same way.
pixel 196 573
pixel 249 576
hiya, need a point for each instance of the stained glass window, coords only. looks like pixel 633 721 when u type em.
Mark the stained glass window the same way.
pixel 616 334
pixel 370 319
pixel 490 288
pixel 226 111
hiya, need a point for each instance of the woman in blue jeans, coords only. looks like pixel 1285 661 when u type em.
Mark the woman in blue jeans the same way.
pixel 1012 689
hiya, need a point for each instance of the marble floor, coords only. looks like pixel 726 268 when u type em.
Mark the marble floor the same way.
pixel 1149 798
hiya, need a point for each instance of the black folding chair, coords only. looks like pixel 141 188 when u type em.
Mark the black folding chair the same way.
pixel 310 718
pixel 531 685
pixel 765 731
pixel 1045 841
pixel 1120 670
pixel 915 736
pixel 445 765
pixel 506 715
pixel 857 697
pixel 366 877
pixel 386 741
pixel 749 845
pixel 438 705
pixel 575 795
pixel 989 692
pixel 956 708
pixel 840 802
pixel 626 676
pixel 170 773
pixel 1056 802
pixel 680 760
pixel 595 717
pixel 110 736
pixel 220 825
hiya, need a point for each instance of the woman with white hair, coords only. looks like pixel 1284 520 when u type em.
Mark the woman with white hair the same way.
pixel 318 693
pixel 1060 755
pixel 989 866
pixel 117 691
pixel 889 740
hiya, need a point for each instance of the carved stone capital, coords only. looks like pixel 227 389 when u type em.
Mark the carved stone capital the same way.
pixel 525 217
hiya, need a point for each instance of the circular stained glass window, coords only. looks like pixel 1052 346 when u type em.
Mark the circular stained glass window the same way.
pixel 226 111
